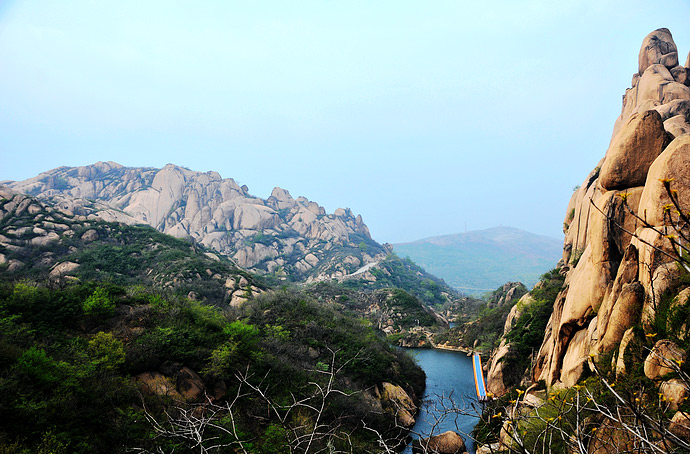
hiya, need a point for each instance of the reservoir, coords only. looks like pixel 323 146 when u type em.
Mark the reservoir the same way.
pixel 449 383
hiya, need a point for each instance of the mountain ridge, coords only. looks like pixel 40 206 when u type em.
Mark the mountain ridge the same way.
pixel 482 260
pixel 290 238
pixel 281 238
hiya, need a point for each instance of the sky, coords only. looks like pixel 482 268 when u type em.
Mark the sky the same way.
pixel 426 118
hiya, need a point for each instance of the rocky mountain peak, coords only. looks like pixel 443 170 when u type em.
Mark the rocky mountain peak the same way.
pixel 658 48
pixel 280 235
pixel 614 272
pixel 613 263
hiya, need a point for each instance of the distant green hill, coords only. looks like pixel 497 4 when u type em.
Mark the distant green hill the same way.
pixel 477 262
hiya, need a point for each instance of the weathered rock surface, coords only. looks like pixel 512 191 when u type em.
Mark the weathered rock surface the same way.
pixel 62 269
pixel 680 425
pixel 396 401
pixel 279 235
pixel 180 384
pixel 674 163
pixel 496 380
pixel 489 449
pixel 612 438
pixel 675 392
pixel 628 337
pixel 658 47
pixel 158 384
pixel 449 442
pixel 616 266
pixel 633 150
pixel 665 358
pixel 190 385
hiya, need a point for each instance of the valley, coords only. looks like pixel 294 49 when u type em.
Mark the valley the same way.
pixel 157 308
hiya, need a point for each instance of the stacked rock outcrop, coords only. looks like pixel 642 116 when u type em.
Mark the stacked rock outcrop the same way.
pixel 616 265
pixel 279 235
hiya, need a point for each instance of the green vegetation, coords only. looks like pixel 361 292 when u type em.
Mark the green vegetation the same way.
pixel 139 330
pixel 527 333
pixel 129 256
pixel 378 306
pixel 394 272
pixel 67 376
pixel 484 332
pixel 477 262
pixel 99 304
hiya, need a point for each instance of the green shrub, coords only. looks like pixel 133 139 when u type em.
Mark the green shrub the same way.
pixel 99 304
pixel 43 370
pixel 107 352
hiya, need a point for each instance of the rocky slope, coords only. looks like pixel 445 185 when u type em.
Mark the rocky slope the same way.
pixel 107 325
pixel 44 242
pixel 285 237
pixel 617 272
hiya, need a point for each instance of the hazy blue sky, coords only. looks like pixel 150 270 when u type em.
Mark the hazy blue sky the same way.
pixel 423 117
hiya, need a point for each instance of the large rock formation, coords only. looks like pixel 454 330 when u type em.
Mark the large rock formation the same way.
pixel 279 235
pixel 617 258
pixel 616 265
pixel 41 238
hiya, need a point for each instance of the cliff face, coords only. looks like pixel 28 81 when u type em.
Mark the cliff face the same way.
pixel 615 266
pixel 279 235
pixel 615 271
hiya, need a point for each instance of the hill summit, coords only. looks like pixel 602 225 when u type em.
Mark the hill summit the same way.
pixel 281 236
pixel 479 261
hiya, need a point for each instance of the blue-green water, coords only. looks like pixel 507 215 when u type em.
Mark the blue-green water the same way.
pixel 449 383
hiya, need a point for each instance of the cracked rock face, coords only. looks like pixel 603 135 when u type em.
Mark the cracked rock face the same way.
pixel 658 48
pixel 614 273
pixel 609 288
pixel 280 235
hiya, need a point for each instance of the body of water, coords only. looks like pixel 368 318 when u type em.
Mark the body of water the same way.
pixel 449 397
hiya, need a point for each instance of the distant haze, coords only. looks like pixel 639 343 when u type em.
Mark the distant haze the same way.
pixel 479 261
pixel 420 116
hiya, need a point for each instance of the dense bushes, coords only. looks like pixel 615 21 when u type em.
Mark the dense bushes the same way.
pixel 394 272
pixel 485 332
pixel 527 333
pixel 67 358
